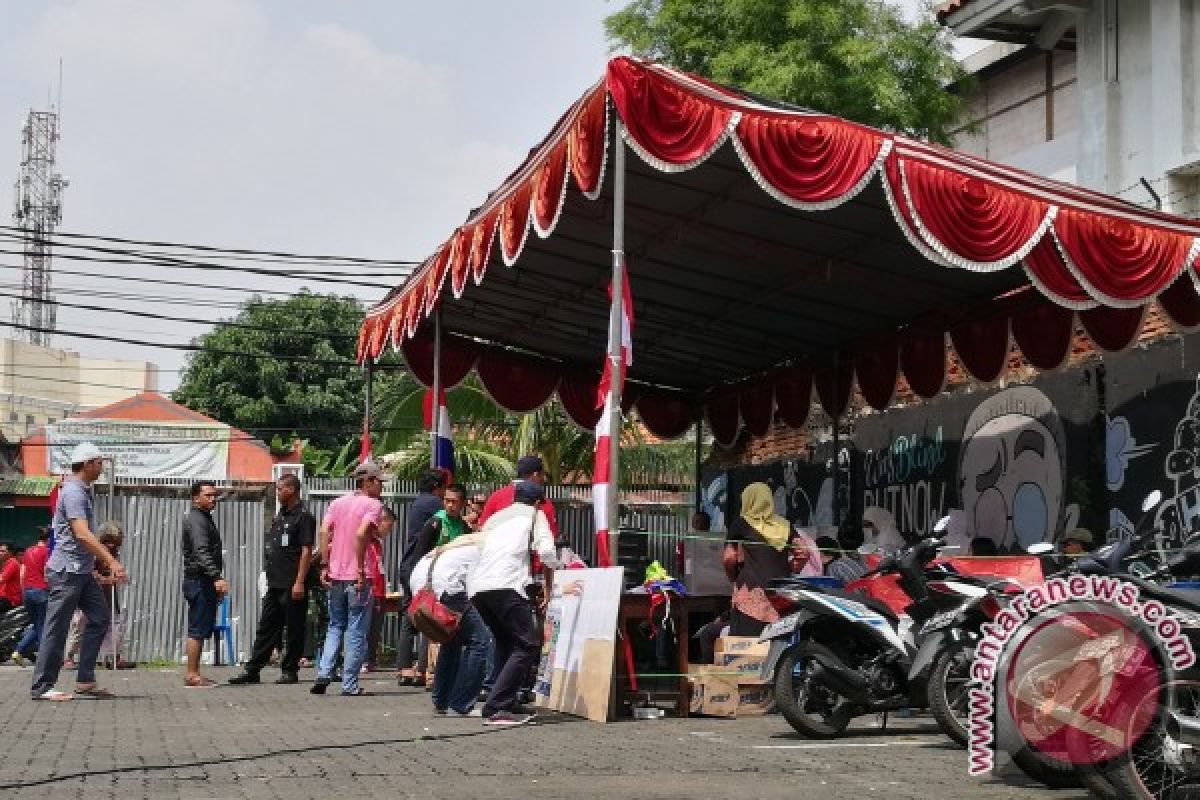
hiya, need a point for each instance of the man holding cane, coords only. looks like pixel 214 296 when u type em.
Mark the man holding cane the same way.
pixel 203 586
pixel 71 584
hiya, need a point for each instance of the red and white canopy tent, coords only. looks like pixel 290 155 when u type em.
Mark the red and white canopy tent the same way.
pixel 770 251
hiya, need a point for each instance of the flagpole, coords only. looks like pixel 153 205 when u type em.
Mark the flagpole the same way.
pixel 435 415
pixel 615 355
pixel 367 414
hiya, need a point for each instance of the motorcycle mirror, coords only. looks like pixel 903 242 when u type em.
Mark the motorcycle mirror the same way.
pixel 1152 501
pixel 1040 549
pixel 941 525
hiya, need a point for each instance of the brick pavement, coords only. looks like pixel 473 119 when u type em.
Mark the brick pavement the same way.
pixel 162 742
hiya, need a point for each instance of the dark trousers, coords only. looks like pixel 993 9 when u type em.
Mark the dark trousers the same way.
pixel 279 613
pixel 69 591
pixel 510 618
pixel 375 634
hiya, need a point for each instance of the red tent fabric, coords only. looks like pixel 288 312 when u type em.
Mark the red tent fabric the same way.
pixel 1086 258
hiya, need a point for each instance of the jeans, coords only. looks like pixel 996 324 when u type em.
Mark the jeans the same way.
pixel 279 613
pixel 67 592
pixel 460 664
pixel 349 617
pixel 35 604
pixel 510 617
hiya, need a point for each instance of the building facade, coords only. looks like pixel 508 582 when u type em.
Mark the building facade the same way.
pixel 42 385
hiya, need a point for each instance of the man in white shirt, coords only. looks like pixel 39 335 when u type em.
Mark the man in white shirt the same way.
pixel 497 589
pixel 461 661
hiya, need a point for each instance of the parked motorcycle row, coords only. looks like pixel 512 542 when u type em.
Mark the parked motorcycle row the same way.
pixel 838 654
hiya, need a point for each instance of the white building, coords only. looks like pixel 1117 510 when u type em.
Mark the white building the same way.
pixel 41 385
pixel 1102 92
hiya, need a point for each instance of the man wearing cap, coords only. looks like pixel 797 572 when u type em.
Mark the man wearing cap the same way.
pixel 529 468
pixel 1077 542
pixel 343 545
pixel 497 586
pixel 71 584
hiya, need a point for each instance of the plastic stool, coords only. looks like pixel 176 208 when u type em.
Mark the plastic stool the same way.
pixel 222 630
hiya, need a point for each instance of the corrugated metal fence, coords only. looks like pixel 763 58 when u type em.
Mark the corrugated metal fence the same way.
pixel 151 515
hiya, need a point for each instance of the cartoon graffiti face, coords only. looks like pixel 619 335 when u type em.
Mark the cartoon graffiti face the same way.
pixel 1011 481
pixel 1183 463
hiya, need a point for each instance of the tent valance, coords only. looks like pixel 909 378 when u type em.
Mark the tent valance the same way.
pixel 894 248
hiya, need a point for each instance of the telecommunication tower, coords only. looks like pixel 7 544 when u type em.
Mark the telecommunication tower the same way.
pixel 38 212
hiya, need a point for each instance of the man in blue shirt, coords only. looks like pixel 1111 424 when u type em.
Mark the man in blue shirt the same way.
pixel 71 583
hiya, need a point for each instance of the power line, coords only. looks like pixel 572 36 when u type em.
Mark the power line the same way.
pixel 329 277
pixel 239 325
pixel 215 249
pixel 194 348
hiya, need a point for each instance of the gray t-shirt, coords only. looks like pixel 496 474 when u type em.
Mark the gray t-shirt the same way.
pixel 74 502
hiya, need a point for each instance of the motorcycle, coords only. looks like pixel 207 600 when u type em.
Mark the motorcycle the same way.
pixel 839 655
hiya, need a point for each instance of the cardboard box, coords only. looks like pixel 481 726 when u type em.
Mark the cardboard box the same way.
pixel 741 645
pixel 712 695
pixel 741 654
pixel 755 699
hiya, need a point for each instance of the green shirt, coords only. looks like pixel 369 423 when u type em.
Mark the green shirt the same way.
pixel 452 527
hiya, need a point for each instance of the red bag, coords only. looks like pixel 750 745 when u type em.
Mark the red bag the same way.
pixel 429 615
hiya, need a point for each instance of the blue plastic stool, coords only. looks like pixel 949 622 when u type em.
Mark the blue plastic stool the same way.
pixel 222 630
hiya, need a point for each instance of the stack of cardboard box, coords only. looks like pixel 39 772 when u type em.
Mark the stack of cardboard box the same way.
pixel 732 687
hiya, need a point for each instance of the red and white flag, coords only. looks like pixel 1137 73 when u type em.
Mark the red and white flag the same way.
pixel 605 399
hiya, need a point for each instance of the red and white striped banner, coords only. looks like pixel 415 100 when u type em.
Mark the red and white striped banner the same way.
pixel 606 399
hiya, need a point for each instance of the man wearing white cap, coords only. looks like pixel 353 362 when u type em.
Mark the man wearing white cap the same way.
pixel 71 584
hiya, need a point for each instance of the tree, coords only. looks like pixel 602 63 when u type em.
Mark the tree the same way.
pixel 293 391
pixel 859 59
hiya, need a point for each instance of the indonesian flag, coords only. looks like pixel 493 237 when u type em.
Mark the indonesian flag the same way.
pixel 606 400
pixel 439 424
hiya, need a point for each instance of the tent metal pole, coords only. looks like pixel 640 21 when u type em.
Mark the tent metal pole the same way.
pixel 699 489
pixel 435 406
pixel 837 446
pixel 614 331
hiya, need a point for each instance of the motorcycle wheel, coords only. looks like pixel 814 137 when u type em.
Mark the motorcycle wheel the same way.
pixel 812 710
pixel 1157 767
pixel 948 694
pixel 1047 769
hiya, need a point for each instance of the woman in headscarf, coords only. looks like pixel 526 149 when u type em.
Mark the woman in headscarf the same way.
pixel 757 551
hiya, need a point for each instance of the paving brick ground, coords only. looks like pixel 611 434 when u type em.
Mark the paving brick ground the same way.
pixel 161 742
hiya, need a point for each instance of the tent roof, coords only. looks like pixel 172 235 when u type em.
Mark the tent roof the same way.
pixel 765 245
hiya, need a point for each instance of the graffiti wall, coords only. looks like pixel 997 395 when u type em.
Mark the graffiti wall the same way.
pixel 1015 464
pixel 1152 437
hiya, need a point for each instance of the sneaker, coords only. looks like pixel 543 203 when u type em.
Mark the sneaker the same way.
pixel 288 677
pixel 319 686
pixel 504 719
pixel 245 679
pixel 476 712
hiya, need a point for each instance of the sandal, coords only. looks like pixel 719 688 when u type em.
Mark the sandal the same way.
pixel 94 692
pixel 198 683
pixel 55 696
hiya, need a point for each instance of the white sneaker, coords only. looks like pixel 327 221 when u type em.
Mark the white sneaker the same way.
pixel 504 719
pixel 475 712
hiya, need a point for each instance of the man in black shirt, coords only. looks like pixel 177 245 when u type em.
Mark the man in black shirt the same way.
pixel 203 585
pixel 286 558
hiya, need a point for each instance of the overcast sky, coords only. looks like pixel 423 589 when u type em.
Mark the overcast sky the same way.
pixel 364 128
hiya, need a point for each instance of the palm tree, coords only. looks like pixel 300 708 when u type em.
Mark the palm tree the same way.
pixel 488 440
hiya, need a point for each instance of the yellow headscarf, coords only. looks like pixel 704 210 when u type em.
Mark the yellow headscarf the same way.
pixel 758 509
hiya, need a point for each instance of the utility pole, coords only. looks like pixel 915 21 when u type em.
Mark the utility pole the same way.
pixel 38 212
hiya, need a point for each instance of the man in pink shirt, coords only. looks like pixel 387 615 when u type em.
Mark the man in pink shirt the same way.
pixel 350 520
